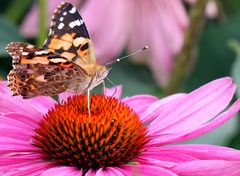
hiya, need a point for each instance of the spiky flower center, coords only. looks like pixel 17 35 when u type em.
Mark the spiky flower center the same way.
pixel 110 136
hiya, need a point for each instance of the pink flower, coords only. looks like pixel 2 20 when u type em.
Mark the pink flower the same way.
pixel 132 24
pixel 40 137
pixel 211 10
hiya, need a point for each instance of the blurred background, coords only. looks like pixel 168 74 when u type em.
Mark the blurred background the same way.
pixel 191 42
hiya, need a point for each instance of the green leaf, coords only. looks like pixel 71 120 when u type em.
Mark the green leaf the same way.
pixel 42 22
pixel 8 33
pixel 214 59
pixel 235 45
pixel 17 9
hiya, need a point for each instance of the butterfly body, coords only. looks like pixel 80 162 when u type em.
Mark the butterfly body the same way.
pixel 66 62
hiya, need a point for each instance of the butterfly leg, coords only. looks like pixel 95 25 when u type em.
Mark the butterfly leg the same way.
pixel 104 87
pixel 88 102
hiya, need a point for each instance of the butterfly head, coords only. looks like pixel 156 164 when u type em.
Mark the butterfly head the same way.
pixel 101 72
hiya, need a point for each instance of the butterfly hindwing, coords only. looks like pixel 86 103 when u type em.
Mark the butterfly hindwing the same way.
pixel 40 72
pixel 69 37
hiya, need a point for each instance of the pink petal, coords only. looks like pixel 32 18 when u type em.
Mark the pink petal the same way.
pixel 64 96
pixel 147 170
pixel 138 102
pixel 192 133
pixel 154 109
pixel 164 158
pixel 14 129
pixel 156 18
pixel 200 151
pixel 180 14
pixel 60 170
pixel 118 171
pixel 149 16
pixel 19 158
pixel 140 25
pixel 212 10
pixel 113 92
pixel 208 167
pixel 106 172
pixel 15 145
pixel 35 168
pixel 197 108
pixel 36 107
pixel 6 122
pixel 106 40
pixel 172 15
pixel 28 120
pixel 163 162
pixel 91 172
pixel 111 171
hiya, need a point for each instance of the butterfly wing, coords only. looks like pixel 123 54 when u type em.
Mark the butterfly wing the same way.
pixel 38 71
pixel 69 37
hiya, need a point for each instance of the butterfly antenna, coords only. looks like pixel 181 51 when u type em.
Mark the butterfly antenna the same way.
pixel 132 54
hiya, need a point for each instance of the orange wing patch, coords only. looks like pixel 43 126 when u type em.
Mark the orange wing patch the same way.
pixel 85 51
pixel 68 43
pixel 65 42
pixel 35 60
pixel 68 55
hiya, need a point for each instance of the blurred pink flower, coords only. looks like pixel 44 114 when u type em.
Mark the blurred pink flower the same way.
pixel 159 122
pixel 211 10
pixel 132 24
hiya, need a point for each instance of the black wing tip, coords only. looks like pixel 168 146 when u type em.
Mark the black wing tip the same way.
pixel 64 4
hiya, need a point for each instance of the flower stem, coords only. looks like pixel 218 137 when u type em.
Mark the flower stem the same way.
pixel 188 52
pixel 42 33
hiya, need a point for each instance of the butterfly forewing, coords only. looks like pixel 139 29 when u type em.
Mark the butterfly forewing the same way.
pixel 69 37
pixel 66 61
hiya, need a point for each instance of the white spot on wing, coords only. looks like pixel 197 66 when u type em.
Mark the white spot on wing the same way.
pixel 41 52
pixel 52 23
pixel 61 19
pixel 30 46
pixel 73 10
pixel 57 60
pixel 75 23
pixel 25 53
pixel 60 26
pixel 50 31
pixel 64 13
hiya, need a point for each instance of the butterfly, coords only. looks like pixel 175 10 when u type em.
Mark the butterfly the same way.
pixel 66 62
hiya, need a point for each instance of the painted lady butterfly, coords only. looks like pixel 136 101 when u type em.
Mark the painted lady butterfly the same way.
pixel 66 61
